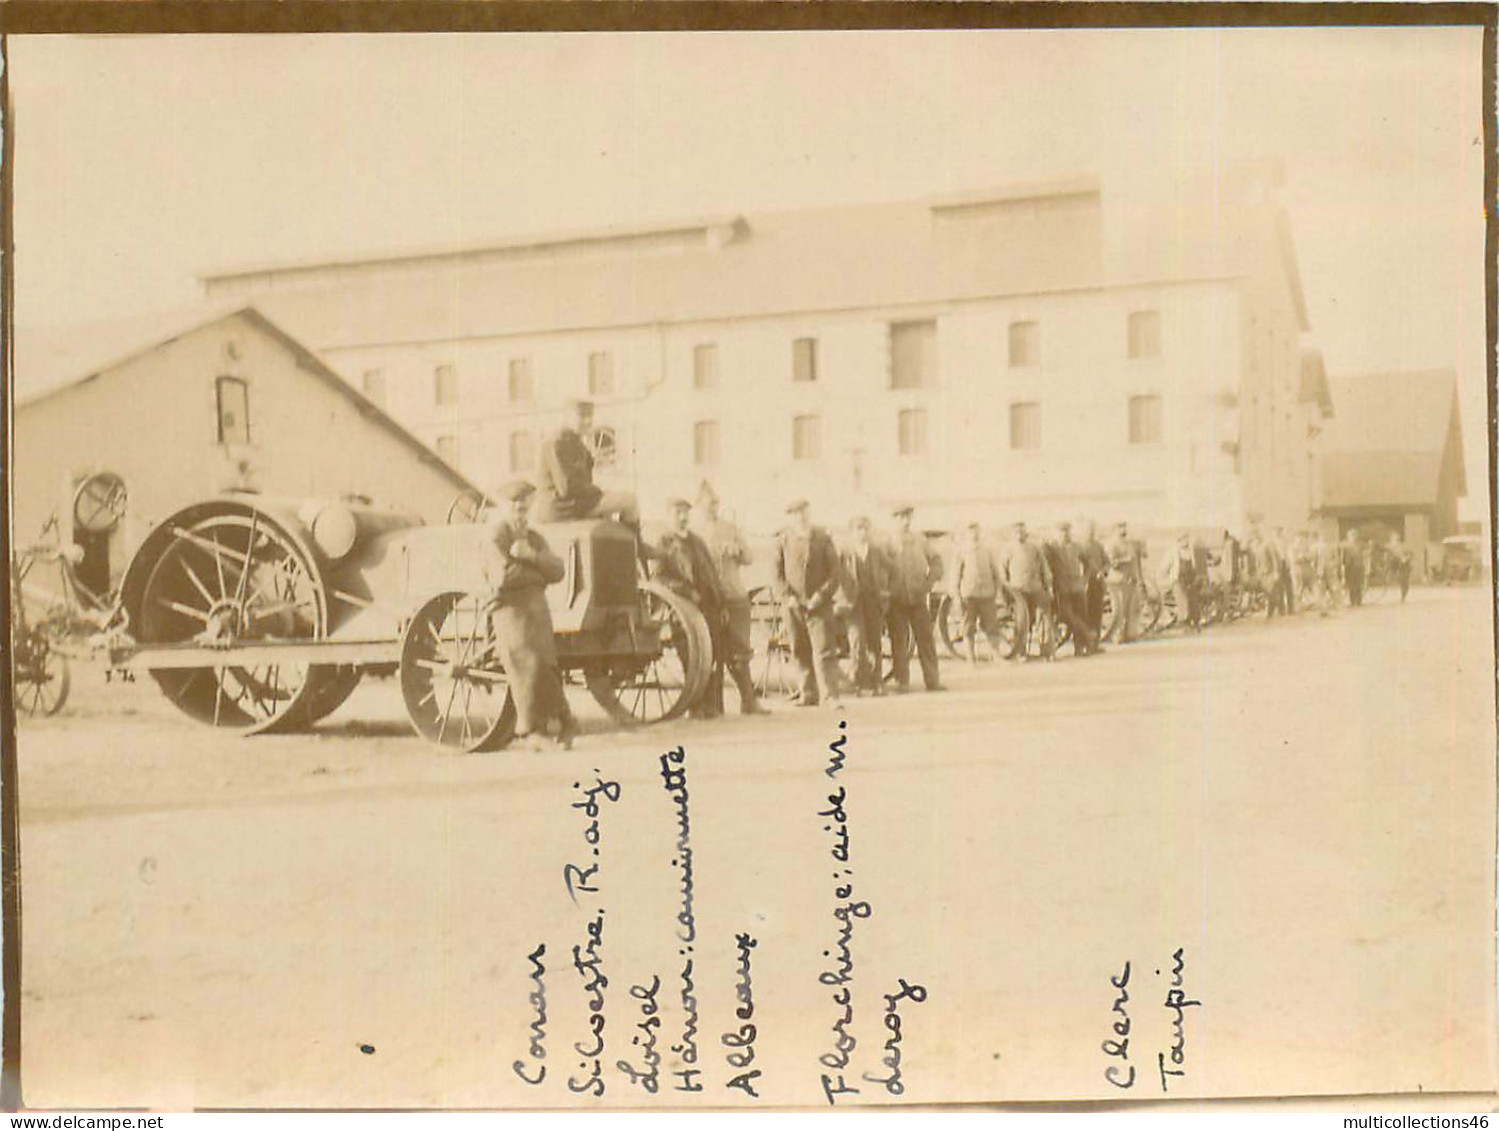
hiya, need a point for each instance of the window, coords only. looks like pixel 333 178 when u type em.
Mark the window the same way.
pixel 601 374
pixel 234 410
pixel 1025 425
pixel 913 355
pixel 1145 420
pixel 705 441
pixel 806 437
pixel 705 366
pixel 1025 344
pixel 447 448
pixel 522 387
pixel 1145 334
pixel 911 431
pixel 445 384
pixel 373 384
pixel 804 359
pixel 522 452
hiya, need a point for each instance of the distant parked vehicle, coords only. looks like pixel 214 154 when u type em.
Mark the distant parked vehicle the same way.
pixel 1461 561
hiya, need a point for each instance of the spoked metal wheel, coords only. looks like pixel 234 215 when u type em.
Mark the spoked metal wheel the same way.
pixel 949 618
pixel 469 506
pixel 640 691
pixel 235 579
pixel 455 689
pixel 774 667
pixel 42 678
pixel 329 692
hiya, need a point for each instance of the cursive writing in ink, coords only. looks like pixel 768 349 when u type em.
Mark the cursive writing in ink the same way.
pixel 1178 1003
pixel 645 1038
pixel 582 879
pixel 538 999
pixel 588 961
pixel 674 779
pixel 1120 1075
pixel 741 1041
pixel 891 1060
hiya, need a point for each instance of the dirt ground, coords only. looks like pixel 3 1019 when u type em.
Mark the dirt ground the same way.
pixel 343 917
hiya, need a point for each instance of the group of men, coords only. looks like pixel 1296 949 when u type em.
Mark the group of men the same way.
pixel 870 587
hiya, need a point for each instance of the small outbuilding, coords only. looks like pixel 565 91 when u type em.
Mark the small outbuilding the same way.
pixel 184 406
pixel 1393 460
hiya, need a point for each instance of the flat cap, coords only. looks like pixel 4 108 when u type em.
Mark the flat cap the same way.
pixel 797 505
pixel 517 489
pixel 677 502
pixel 902 508
pixel 579 402
pixel 1064 525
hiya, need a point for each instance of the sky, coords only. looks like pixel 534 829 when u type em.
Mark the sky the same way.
pixel 141 161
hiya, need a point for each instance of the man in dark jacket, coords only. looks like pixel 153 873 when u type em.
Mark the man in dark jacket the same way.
pixel 1028 579
pixel 684 564
pixel 522 621
pixel 915 568
pixel 807 579
pixel 864 603
pixel 1069 577
pixel 565 488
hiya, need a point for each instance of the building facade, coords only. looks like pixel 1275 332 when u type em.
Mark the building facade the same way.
pixel 993 356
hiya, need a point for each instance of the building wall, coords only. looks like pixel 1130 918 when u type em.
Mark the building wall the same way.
pixel 306 438
pixel 1083 382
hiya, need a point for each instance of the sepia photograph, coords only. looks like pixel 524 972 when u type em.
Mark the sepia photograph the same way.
pixel 751 569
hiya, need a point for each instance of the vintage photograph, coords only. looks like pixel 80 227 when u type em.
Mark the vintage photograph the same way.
pixel 742 569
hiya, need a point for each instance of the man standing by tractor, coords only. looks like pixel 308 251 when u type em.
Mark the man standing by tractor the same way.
pixel 522 621
pixel 684 564
pixel 730 554
pixel 807 579
pixel 916 568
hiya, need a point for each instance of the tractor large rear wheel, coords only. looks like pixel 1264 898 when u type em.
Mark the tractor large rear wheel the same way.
pixel 641 691
pixel 454 687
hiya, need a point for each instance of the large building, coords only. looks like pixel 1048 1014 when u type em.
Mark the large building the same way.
pixel 1394 460
pixel 1032 351
pixel 189 404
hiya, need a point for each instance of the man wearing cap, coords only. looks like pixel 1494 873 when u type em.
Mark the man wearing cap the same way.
pixel 865 603
pixel 566 489
pixel 684 564
pixel 1126 584
pixel 978 587
pixel 1071 590
pixel 730 554
pixel 807 579
pixel 1027 578
pixel 1095 573
pixel 522 622
pixel 1181 576
pixel 915 568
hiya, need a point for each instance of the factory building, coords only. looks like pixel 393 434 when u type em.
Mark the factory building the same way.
pixel 1037 351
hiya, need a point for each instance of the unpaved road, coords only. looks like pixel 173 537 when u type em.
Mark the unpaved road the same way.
pixel 343 917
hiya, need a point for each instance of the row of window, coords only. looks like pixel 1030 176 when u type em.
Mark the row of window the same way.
pixel 521 383
pixel 913 361
pixel 1144 427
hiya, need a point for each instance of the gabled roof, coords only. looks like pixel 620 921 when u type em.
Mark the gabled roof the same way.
pixel 1390 439
pixel 1010 240
pixel 49 362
